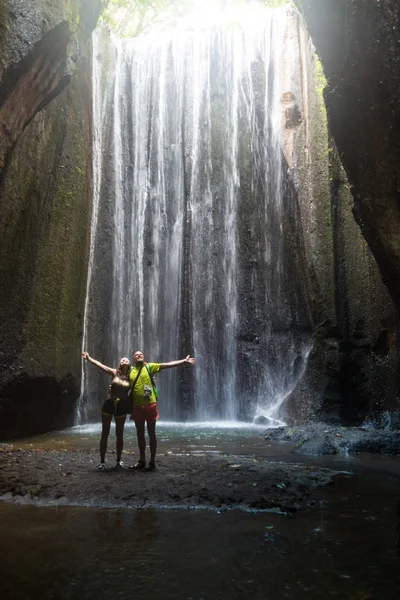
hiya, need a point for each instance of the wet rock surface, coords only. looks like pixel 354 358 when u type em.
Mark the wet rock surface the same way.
pixel 215 482
pixel 318 439
pixel 358 45
pixel 45 194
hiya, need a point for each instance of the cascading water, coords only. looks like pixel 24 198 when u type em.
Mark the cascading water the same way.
pixel 82 406
pixel 195 246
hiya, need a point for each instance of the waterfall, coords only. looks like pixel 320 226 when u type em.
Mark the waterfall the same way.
pixel 97 122
pixel 195 242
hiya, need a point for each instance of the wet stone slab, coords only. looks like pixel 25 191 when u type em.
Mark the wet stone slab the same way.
pixel 213 481
pixel 197 466
pixel 319 439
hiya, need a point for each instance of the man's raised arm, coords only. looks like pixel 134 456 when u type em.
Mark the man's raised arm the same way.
pixel 177 363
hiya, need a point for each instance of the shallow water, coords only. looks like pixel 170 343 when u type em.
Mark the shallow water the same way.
pixel 345 548
pixel 226 437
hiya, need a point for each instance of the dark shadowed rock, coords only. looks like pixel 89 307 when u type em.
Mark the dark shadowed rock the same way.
pixel 319 439
pixel 45 197
pixel 359 49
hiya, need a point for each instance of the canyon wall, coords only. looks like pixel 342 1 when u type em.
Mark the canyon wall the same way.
pixel 340 217
pixel 45 199
pixel 353 368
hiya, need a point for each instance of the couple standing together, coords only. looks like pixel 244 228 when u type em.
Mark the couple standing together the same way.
pixel 132 391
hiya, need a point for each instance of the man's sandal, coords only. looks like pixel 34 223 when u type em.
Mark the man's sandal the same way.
pixel 141 464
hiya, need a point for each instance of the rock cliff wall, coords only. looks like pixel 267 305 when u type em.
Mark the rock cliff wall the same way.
pixel 45 197
pixel 360 51
pixel 352 371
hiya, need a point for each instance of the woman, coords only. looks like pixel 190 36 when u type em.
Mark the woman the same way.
pixel 117 404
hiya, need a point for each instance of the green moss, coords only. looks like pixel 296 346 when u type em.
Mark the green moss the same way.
pixel 73 18
pixel 54 323
pixel 34 490
pixel 320 78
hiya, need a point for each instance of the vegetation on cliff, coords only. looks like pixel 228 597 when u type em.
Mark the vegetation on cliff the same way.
pixel 132 18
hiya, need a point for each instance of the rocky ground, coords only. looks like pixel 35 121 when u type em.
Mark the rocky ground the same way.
pixel 43 475
pixel 317 439
pixel 210 481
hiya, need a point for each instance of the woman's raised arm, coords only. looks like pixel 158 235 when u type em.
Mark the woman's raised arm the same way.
pixel 108 370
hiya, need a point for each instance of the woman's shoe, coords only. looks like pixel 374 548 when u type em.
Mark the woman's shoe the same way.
pixel 101 467
pixel 151 466
pixel 119 465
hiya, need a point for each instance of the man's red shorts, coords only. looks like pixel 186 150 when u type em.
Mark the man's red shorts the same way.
pixel 145 413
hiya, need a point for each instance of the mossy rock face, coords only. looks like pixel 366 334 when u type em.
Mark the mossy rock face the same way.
pixel 23 23
pixel 358 45
pixel 352 366
pixel 45 194
pixel 39 46
pixel 45 229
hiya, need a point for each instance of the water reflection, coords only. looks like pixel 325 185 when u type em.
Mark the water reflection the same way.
pixel 347 549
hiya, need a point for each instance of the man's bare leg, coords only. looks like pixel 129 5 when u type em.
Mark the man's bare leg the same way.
pixel 141 441
pixel 151 430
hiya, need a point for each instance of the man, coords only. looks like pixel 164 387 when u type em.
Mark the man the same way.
pixel 145 403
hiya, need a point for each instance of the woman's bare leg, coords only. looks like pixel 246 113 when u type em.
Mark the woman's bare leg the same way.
pixel 119 432
pixel 105 431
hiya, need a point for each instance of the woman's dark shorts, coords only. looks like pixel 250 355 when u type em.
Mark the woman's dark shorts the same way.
pixel 116 407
